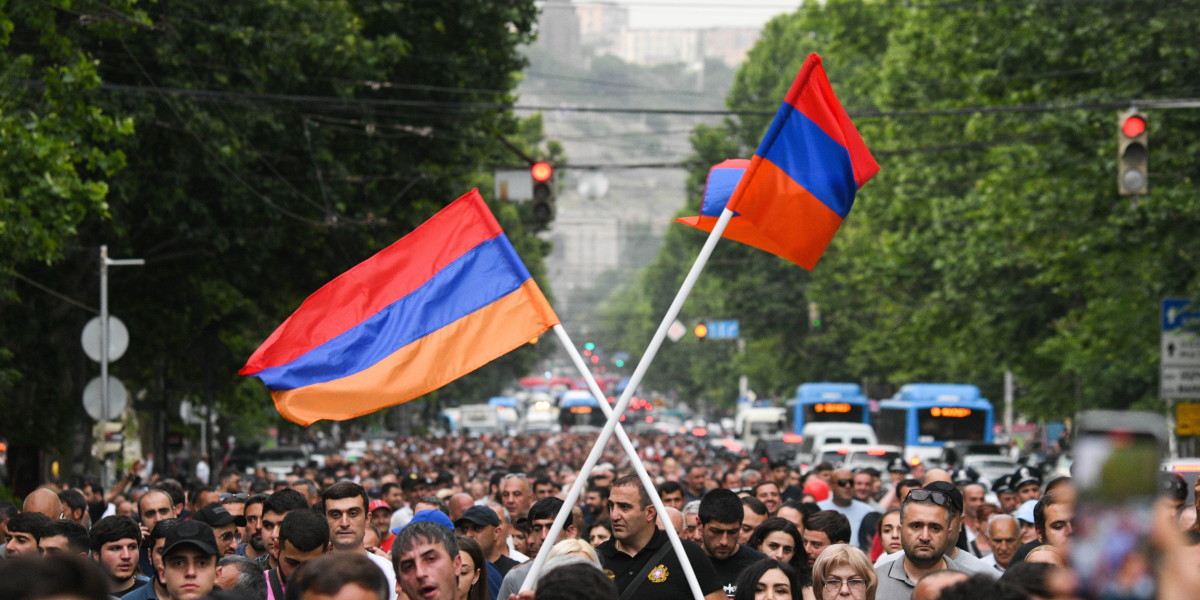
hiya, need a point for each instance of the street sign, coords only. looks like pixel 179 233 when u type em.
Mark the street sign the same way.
pixel 676 331
pixel 1180 359
pixel 118 396
pixel 118 339
pixel 1187 418
pixel 513 185
pixel 723 330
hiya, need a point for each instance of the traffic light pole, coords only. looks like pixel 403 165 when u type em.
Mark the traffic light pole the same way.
pixel 105 263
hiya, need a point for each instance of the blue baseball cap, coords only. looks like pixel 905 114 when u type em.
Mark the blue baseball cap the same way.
pixel 431 515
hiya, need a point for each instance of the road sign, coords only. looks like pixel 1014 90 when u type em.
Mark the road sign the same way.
pixel 1187 418
pixel 1179 374
pixel 118 396
pixel 676 331
pixel 118 339
pixel 723 330
pixel 513 185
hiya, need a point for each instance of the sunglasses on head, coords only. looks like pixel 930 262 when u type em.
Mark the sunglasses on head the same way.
pixel 938 498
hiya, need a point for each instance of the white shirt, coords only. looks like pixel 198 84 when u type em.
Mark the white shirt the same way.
pixel 389 571
pixel 990 560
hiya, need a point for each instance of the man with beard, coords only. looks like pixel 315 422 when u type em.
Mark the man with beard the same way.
pixel 926 524
pixel 114 543
pixel 595 504
pixel 541 519
pixel 225 527
pixel 720 530
pixel 252 545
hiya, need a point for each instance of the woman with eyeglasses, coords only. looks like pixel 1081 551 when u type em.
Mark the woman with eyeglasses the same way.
pixel 768 579
pixel 844 572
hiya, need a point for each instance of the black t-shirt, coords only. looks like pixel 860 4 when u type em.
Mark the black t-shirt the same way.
pixel 137 583
pixel 504 564
pixel 730 568
pixel 666 581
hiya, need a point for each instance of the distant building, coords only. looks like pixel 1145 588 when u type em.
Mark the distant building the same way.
pixel 575 33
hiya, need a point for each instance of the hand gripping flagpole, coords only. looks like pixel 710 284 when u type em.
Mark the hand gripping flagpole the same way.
pixel 638 466
pixel 614 419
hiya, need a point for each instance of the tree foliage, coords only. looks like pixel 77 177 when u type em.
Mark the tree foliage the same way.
pixel 993 238
pixel 277 144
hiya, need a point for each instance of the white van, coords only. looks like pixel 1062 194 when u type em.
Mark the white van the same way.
pixel 816 435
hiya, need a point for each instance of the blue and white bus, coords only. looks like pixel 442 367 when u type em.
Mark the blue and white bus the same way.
pixel 922 417
pixel 823 402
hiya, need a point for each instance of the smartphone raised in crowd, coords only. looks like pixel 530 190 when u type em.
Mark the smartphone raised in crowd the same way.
pixel 1117 457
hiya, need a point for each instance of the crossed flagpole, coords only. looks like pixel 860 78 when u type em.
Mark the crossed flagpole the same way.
pixel 790 201
pixel 614 420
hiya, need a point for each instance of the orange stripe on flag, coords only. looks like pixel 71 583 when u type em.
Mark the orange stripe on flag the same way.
pixel 788 212
pixel 428 363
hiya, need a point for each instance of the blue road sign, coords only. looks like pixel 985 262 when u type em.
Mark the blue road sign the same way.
pixel 1177 312
pixel 723 330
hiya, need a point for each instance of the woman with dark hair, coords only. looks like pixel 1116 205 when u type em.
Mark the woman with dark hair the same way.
pixel 600 531
pixel 768 579
pixel 779 539
pixel 472 578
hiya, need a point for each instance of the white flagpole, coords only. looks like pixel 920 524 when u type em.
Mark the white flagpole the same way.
pixel 638 466
pixel 638 373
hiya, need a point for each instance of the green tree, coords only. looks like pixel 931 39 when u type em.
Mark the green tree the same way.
pixel 277 145
pixel 993 237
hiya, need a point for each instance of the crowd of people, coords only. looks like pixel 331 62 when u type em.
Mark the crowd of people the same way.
pixel 461 518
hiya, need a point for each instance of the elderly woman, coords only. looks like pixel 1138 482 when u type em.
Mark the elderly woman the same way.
pixel 844 572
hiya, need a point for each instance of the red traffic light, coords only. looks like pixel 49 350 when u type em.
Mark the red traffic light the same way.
pixel 1132 126
pixel 541 171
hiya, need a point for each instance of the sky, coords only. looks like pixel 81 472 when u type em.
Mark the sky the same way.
pixel 663 14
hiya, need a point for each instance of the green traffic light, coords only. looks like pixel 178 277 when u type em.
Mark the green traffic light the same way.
pixel 620 363
pixel 589 346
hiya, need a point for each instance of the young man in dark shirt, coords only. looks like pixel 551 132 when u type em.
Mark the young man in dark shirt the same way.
pixel 721 516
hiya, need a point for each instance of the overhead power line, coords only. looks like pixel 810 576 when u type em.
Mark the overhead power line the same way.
pixel 1150 103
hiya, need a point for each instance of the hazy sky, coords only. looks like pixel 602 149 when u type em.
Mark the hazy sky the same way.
pixel 656 14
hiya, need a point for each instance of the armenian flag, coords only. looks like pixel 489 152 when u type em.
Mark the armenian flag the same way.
pixel 801 183
pixel 437 304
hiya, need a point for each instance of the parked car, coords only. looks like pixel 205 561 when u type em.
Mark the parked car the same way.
pixel 989 466
pixel 954 451
pixel 282 460
pixel 816 436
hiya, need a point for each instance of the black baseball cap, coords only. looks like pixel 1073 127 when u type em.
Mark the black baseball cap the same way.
pixel 192 533
pixel 950 490
pixel 479 515
pixel 215 515
pixel 898 466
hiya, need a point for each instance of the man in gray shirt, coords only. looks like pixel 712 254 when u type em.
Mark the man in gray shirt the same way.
pixel 927 523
